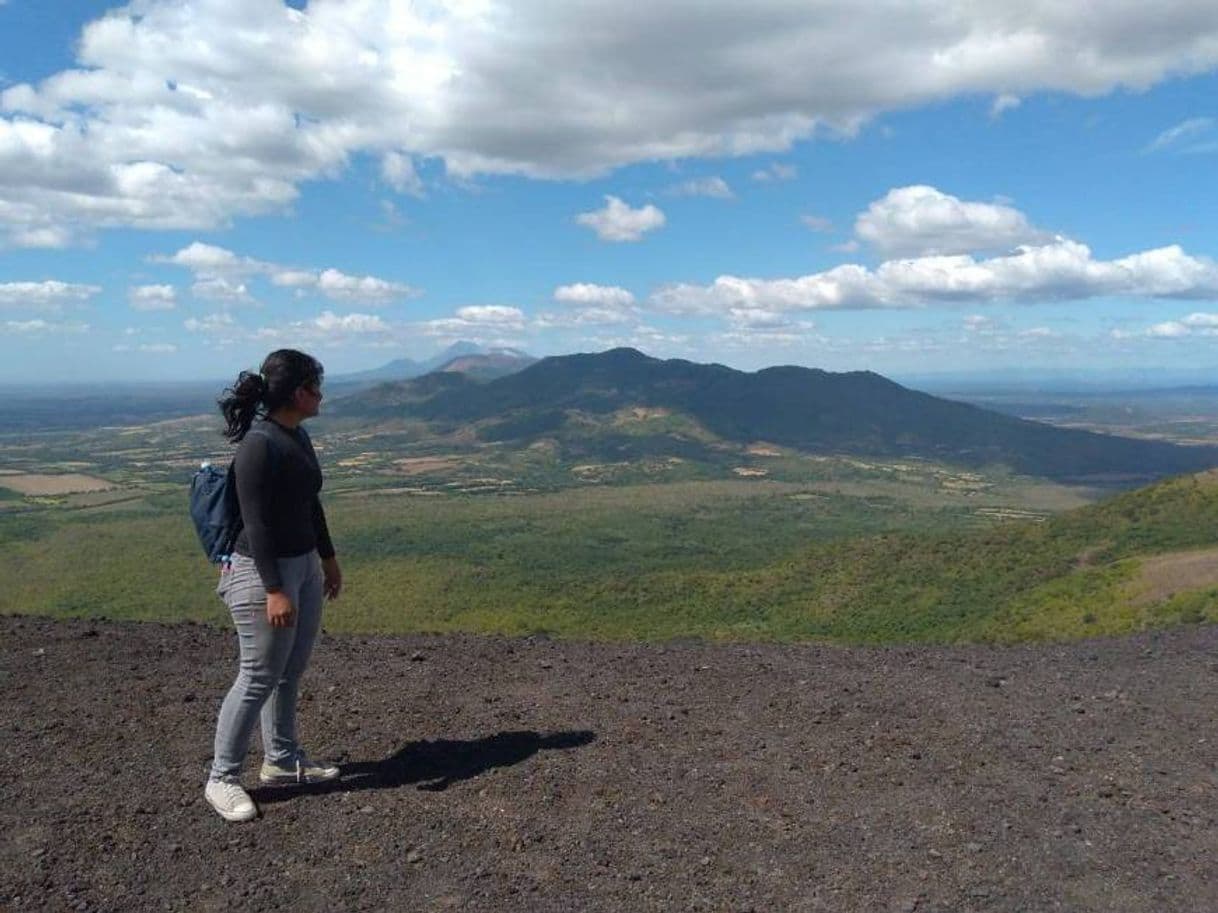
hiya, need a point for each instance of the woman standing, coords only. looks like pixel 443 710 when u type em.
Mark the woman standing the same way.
pixel 282 567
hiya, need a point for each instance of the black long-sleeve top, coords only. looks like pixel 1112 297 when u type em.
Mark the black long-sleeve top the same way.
pixel 278 480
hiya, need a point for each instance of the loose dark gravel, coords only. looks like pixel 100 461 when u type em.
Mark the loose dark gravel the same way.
pixel 535 775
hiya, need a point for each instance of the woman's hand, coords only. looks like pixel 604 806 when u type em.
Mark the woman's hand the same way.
pixel 279 610
pixel 334 577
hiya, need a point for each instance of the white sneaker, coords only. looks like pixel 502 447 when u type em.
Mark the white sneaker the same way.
pixel 231 801
pixel 302 771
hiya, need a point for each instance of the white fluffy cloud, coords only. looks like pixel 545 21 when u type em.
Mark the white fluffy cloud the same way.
pixel 209 260
pixel 329 322
pixel 618 222
pixel 222 289
pixel 477 322
pixel 1060 271
pixel 919 220
pixel 1198 324
pixel 491 315
pixel 187 114
pixel 152 297
pixel 339 286
pixel 36 235
pixel 219 275
pixel 589 305
pixel 50 295
pixel 940 228
pixel 589 295
pixel 328 328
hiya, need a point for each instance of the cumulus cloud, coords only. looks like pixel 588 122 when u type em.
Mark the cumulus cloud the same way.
pixel 1197 324
pixel 477 321
pixel 339 286
pixel 918 220
pixel 219 275
pixel 50 295
pixel 1060 271
pixel 589 305
pixel 223 289
pixel 491 314
pixel 294 278
pixel 157 128
pixel 152 297
pixel 47 236
pixel 761 320
pixel 186 115
pixel 703 187
pixel 618 222
pixel 328 322
pixel 584 293
pixel 209 260
pixel 328 328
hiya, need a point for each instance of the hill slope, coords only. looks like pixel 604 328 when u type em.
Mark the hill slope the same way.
pixel 1075 575
pixel 811 410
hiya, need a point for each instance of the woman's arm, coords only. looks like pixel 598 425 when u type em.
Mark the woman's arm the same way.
pixel 325 548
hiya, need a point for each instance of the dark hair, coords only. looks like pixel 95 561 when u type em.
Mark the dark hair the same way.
pixel 282 373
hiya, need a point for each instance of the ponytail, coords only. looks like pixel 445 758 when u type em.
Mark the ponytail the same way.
pixel 240 404
pixel 262 392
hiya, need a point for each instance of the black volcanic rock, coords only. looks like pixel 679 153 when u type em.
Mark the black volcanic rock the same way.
pixel 809 409
pixel 529 775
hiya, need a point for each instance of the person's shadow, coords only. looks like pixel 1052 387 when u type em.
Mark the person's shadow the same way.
pixel 434 766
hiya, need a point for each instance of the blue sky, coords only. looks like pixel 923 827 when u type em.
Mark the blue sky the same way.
pixel 914 189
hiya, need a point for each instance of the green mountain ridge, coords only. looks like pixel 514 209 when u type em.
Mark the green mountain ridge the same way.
pixel 814 411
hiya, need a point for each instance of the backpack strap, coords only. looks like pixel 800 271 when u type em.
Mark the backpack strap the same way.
pixel 234 503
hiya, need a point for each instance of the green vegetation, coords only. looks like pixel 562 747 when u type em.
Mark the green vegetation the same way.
pixel 628 518
pixel 749 559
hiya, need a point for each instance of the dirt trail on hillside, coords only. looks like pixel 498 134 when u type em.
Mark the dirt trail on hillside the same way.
pixel 530 775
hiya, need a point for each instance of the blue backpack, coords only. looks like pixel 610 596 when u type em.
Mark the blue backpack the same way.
pixel 215 510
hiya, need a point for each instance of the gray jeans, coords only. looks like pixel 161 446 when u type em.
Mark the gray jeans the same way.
pixel 272 661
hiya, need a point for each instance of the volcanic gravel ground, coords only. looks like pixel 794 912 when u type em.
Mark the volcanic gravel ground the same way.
pixel 535 775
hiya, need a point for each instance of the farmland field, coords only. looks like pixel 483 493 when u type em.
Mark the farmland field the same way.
pixel 453 535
